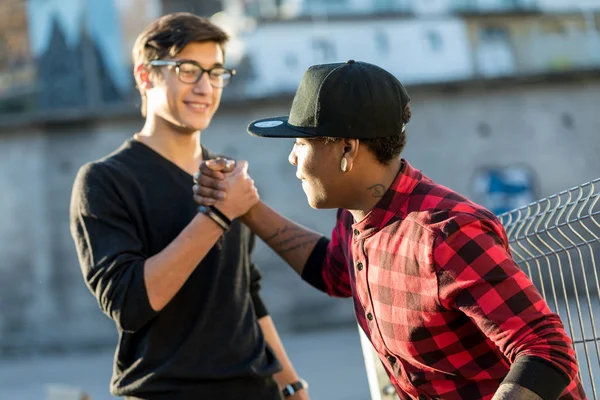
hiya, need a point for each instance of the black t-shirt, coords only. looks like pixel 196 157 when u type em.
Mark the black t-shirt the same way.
pixel 206 343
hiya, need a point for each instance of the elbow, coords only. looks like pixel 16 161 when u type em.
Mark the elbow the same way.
pixel 128 318
pixel 527 371
pixel 130 309
pixel 122 296
pixel 123 324
pixel 569 364
pixel 566 360
pixel 552 344
pixel 127 323
pixel 561 359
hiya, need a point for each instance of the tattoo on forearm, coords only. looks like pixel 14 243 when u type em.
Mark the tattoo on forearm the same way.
pixel 377 190
pixel 281 231
pixel 291 239
pixel 290 242
pixel 512 391
pixel 297 246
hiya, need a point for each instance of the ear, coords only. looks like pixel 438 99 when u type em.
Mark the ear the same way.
pixel 142 78
pixel 350 151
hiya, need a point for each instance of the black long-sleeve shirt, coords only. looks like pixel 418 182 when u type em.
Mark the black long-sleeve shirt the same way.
pixel 206 342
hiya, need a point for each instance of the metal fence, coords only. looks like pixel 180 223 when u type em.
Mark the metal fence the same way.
pixel 556 241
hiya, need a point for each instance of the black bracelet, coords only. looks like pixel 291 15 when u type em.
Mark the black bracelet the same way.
pixel 220 214
pixel 294 387
pixel 223 223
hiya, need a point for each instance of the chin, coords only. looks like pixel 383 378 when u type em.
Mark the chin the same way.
pixel 318 203
pixel 197 125
pixel 313 205
pixel 196 122
pixel 186 126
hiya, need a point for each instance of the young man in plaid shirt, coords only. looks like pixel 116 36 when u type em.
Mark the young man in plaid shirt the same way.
pixel 434 284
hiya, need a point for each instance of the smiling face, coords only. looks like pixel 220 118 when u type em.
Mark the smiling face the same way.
pixel 318 167
pixel 187 107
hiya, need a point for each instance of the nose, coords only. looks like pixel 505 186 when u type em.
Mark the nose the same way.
pixel 203 86
pixel 292 158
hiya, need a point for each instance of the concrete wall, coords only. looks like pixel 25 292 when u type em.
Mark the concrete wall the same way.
pixel 551 129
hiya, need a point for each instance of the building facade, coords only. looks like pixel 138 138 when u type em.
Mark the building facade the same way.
pixel 504 95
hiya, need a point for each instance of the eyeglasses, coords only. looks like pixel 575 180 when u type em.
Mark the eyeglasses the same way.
pixel 191 72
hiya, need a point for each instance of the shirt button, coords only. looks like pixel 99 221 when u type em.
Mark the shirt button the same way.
pixel 370 316
pixel 356 232
pixel 359 266
pixel 391 359
pixel 422 397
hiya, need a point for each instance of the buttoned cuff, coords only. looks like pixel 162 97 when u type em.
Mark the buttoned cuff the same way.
pixel 313 269
pixel 539 376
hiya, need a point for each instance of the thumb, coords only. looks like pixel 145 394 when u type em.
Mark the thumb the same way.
pixel 242 166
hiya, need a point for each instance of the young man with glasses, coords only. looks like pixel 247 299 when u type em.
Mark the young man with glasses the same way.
pixel 178 282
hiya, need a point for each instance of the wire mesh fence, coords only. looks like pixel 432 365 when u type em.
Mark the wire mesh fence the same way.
pixel 556 241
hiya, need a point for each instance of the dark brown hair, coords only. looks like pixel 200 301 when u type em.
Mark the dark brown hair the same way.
pixel 168 35
pixel 388 148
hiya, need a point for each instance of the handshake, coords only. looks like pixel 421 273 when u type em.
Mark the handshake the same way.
pixel 226 185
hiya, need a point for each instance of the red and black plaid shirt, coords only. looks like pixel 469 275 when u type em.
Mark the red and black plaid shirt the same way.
pixel 437 292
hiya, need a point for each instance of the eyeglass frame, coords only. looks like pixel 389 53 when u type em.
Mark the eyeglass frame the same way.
pixel 177 64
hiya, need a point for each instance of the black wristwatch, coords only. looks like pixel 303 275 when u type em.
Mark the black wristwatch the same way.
pixel 292 388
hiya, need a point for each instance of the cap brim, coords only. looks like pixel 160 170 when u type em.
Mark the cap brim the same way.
pixel 278 127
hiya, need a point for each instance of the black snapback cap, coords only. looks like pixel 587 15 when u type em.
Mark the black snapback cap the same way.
pixel 346 100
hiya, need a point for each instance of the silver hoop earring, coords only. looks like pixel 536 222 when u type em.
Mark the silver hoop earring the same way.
pixel 344 164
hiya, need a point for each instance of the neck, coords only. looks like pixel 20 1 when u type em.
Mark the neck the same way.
pixel 177 145
pixel 372 186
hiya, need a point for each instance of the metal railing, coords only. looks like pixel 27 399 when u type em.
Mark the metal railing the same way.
pixel 556 241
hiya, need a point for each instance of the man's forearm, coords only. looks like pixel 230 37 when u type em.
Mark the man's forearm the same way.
pixel 166 272
pixel 293 242
pixel 512 391
pixel 287 374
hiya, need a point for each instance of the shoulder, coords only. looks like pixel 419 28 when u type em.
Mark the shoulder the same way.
pixel 91 183
pixel 465 237
pixel 445 211
pixel 457 221
pixel 101 180
pixel 91 174
pixel 112 168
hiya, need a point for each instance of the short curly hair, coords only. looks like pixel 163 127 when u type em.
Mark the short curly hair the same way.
pixel 387 148
pixel 168 35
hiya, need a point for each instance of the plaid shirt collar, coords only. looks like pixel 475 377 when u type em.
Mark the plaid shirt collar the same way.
pixel 395 199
